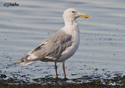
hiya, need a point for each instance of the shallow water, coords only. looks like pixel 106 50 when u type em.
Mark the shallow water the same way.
pixel 102 46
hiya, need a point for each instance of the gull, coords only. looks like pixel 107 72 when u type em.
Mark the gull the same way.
pixel 59 46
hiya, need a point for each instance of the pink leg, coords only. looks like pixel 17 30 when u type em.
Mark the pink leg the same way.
pixel 63 66
pixel 56 70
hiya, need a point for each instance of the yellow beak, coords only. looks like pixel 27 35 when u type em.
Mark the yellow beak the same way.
pixel 84 15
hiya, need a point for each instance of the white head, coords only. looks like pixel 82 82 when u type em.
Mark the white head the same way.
pixel 71 14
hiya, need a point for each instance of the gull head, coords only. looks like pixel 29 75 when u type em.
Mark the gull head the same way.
pixel 71 14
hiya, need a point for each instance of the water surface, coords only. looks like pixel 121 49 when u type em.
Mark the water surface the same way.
pixel 102 46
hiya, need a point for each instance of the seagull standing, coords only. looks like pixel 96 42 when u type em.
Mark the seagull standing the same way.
pixel 59 46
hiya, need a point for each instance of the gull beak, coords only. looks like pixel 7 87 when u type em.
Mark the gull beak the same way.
pixel 84 15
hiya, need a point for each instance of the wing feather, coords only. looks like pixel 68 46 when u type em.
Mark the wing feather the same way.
pixel 53 46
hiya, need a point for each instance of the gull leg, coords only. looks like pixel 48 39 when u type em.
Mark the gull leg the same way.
pixel 56 70
pixel 63 67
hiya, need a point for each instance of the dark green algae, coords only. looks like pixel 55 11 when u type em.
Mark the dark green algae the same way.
pixel 49 82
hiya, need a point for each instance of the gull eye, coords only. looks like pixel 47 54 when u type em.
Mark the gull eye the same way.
pixel 73 11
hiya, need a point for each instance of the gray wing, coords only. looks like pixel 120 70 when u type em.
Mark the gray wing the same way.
pixel 53 46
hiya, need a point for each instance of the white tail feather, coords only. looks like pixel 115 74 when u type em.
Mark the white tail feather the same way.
pixel 26 63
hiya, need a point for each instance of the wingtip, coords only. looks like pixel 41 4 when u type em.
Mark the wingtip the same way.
pixel 18 61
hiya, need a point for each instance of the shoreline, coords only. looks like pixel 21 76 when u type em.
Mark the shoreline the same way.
pixel 117 82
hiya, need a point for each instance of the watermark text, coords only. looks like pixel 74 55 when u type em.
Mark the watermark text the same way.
pixel 11 4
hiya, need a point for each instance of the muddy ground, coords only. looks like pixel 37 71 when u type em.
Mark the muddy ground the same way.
pixel 48 82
